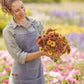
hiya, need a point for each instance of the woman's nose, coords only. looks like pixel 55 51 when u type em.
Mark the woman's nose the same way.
pixel 21 11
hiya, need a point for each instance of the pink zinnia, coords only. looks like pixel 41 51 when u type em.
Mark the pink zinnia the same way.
pixel 62 78
pixel 45 72
pixel 51 82
pixel 55 70
pixel 67 67
pixel 75 71
pixel 3 73
pixel 62 73
pixel 5 81
pixel 71 80
pixel 67 73
pixel 7 68
pixel 58 66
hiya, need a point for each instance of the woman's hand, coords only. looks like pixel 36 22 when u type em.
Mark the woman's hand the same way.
pixel 51 56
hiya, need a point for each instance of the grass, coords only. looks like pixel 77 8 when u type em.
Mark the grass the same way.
pixel 2 45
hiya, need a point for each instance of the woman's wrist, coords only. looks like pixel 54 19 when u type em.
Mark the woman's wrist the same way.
pixel 42 53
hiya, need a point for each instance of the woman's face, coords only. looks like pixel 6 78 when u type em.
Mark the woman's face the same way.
pixel 18 9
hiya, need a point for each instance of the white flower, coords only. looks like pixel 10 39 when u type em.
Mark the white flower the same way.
pixel 55 74
pixel 55 80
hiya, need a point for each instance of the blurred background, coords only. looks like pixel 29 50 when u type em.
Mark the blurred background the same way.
pixel 67 16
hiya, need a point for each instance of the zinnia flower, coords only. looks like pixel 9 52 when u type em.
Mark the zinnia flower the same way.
pixel 7 68
pixel 5 81
pixel 40 48
pixel 49 52
pixel 52 44
pixel 49 42
pixel 39 37
pixel 68 49
pixel 43 31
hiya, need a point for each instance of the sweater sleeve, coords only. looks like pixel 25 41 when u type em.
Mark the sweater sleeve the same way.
pixel 13 48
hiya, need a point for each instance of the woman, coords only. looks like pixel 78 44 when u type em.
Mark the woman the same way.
pixel 20 40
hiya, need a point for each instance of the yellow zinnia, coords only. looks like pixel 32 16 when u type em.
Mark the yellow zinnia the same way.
pixel 52 43
pixel 1 26
pixel 49 52
pixel 43 31
pixel 49 42
pixel 40 48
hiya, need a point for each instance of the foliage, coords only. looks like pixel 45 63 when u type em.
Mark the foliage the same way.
pixel 2 45
pixel 73 0
pixel 49 1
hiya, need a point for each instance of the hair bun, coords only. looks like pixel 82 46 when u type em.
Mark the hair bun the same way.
pixel 4 9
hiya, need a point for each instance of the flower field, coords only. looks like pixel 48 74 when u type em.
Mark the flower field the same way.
pixel 69 71
pixel 68 21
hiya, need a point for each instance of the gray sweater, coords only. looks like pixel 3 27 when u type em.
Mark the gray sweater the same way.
pixel 10 39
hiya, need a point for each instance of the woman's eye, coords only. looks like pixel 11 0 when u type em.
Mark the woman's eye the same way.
pixel 17 11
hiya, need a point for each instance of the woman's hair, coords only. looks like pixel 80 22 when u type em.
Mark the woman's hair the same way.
pixel 6 5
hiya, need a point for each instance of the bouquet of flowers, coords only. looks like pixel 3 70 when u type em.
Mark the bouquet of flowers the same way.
pixel 53 43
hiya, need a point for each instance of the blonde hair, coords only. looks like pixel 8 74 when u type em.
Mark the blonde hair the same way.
pixel 6 5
